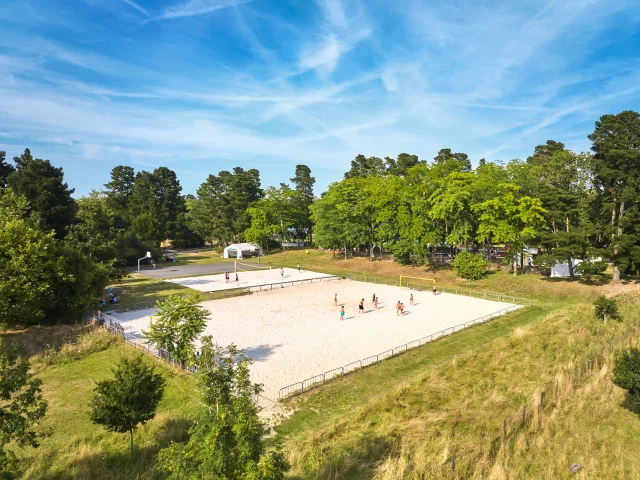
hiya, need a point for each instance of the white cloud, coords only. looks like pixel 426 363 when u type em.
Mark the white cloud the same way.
pixel 137 7
pixel 323 56
pixel 334 12
pixel 192 8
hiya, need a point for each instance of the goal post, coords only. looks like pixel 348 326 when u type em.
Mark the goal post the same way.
pixel 428 281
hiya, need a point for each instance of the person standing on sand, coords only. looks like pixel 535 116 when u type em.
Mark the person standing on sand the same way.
pixel 361 306
pixel 335 300
pixel 398 306
pixel 375 302
pixel 434 290
pixel 373 298
pixel 236 277
pixel 342 313
pixel 411 299
pixel 282 273
pixel 298 268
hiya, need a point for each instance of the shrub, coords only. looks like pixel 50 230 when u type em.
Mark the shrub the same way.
pixel 626 372
pixel 470 266
pixel 606 308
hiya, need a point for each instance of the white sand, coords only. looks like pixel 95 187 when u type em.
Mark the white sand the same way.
pixel 247 279
pixel 294 333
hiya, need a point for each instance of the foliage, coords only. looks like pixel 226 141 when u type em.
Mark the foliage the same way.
pixel 219 215
pixel 470 266
pixel 616 165
pixel 129 399
pixel 179 322
pixel 626 372
pixel 5 169
pixel 49 198
pixel 226 441
pixel 21 405
pixel 606 308
pixel 28 266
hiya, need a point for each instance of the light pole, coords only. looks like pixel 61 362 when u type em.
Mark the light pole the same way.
pixel 148 255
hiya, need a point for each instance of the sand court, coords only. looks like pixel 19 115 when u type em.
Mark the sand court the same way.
pixel 294 333
pixel 249 277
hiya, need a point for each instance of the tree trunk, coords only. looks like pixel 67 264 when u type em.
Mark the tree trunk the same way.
pixel 616 270
pixel 131 440
pixel 571 274
pixel 345 250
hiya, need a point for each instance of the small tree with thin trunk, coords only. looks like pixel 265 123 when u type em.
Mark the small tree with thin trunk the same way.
pixel 180 321
pixel 606 308
pixel 128 399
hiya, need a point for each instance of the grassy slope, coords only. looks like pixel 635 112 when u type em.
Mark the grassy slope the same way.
pixel 394 419
pixel 78 449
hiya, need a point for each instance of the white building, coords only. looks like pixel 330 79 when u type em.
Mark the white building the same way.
pixel 242 250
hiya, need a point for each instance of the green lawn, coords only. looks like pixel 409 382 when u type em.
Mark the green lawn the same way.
pixel 78 449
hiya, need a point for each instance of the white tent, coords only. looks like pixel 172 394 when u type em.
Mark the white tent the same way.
pixel 241 250
pixel 561 269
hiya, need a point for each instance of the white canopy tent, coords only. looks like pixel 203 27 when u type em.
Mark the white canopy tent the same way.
pixel 242 250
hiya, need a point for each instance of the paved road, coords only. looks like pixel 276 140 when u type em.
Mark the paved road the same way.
pixel 168 271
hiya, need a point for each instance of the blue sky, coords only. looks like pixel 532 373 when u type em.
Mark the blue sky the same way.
pixel 206 85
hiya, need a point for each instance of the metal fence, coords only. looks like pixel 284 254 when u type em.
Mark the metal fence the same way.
pixel 317 380
pixel 495 296
pixel 114 327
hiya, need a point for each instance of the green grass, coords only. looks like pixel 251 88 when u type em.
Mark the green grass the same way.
pixel 138 288
pixel 78 449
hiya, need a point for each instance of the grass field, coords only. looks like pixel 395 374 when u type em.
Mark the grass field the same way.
pixel 438 410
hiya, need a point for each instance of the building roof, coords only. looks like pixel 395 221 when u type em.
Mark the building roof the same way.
pixel 243 247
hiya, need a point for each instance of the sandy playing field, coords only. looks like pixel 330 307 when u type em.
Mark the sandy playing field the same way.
pixel 294 333
pixel 247 278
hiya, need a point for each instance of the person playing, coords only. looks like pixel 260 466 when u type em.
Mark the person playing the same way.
pixel 226 277
pixel 335 300
pixel 433 290
pixel 361 306
pixel 342 313
pixel 402 309
pixel 110 291
pixel 236 277
pixel 375 302
pixel 114 300
pixel 298 268
pixel 411 299
pixel 398 306
pixel 373 299
pixel 282 273
pixel 102 301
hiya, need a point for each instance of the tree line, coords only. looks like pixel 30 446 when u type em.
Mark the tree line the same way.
pixel 569 205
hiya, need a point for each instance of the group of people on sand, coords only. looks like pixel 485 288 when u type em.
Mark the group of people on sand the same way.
pixel 227 277
pixel 400 309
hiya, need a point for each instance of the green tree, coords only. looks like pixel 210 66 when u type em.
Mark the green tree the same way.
pixel 445 155
pixel 130 398
pixel 119 190
pixel 179 322
pixel 303 184
pixel 275 213
pixel 626 372
pixel 219 215
pixel 606 308
pixel 402 164
pixel 470 266
pixel 28 265
pixel 507 218
pixel 362 166
pixel 22 405
pixel 616 166
pixel 43 186
pixel 226 440
pixel 6 169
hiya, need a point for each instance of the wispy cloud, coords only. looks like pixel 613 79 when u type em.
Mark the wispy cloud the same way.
pixel 137 7
pixel 192 8
pixel 323 56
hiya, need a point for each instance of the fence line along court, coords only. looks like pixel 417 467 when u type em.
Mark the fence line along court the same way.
pixel 242 275
pixel 294 333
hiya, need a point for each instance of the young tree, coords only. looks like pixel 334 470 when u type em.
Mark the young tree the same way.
pixel 21 405
pixel 43 186
pixel 606 308
pixel 626 372
pixel 130 398
pixel 179 322
pixel 616 165
pixel 226 440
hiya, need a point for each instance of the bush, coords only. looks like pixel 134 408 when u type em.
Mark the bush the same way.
pixel 606 308
pixel 626 372
pixel 470 266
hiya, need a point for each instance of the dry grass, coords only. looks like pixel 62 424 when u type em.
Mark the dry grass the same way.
pixel 453 417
